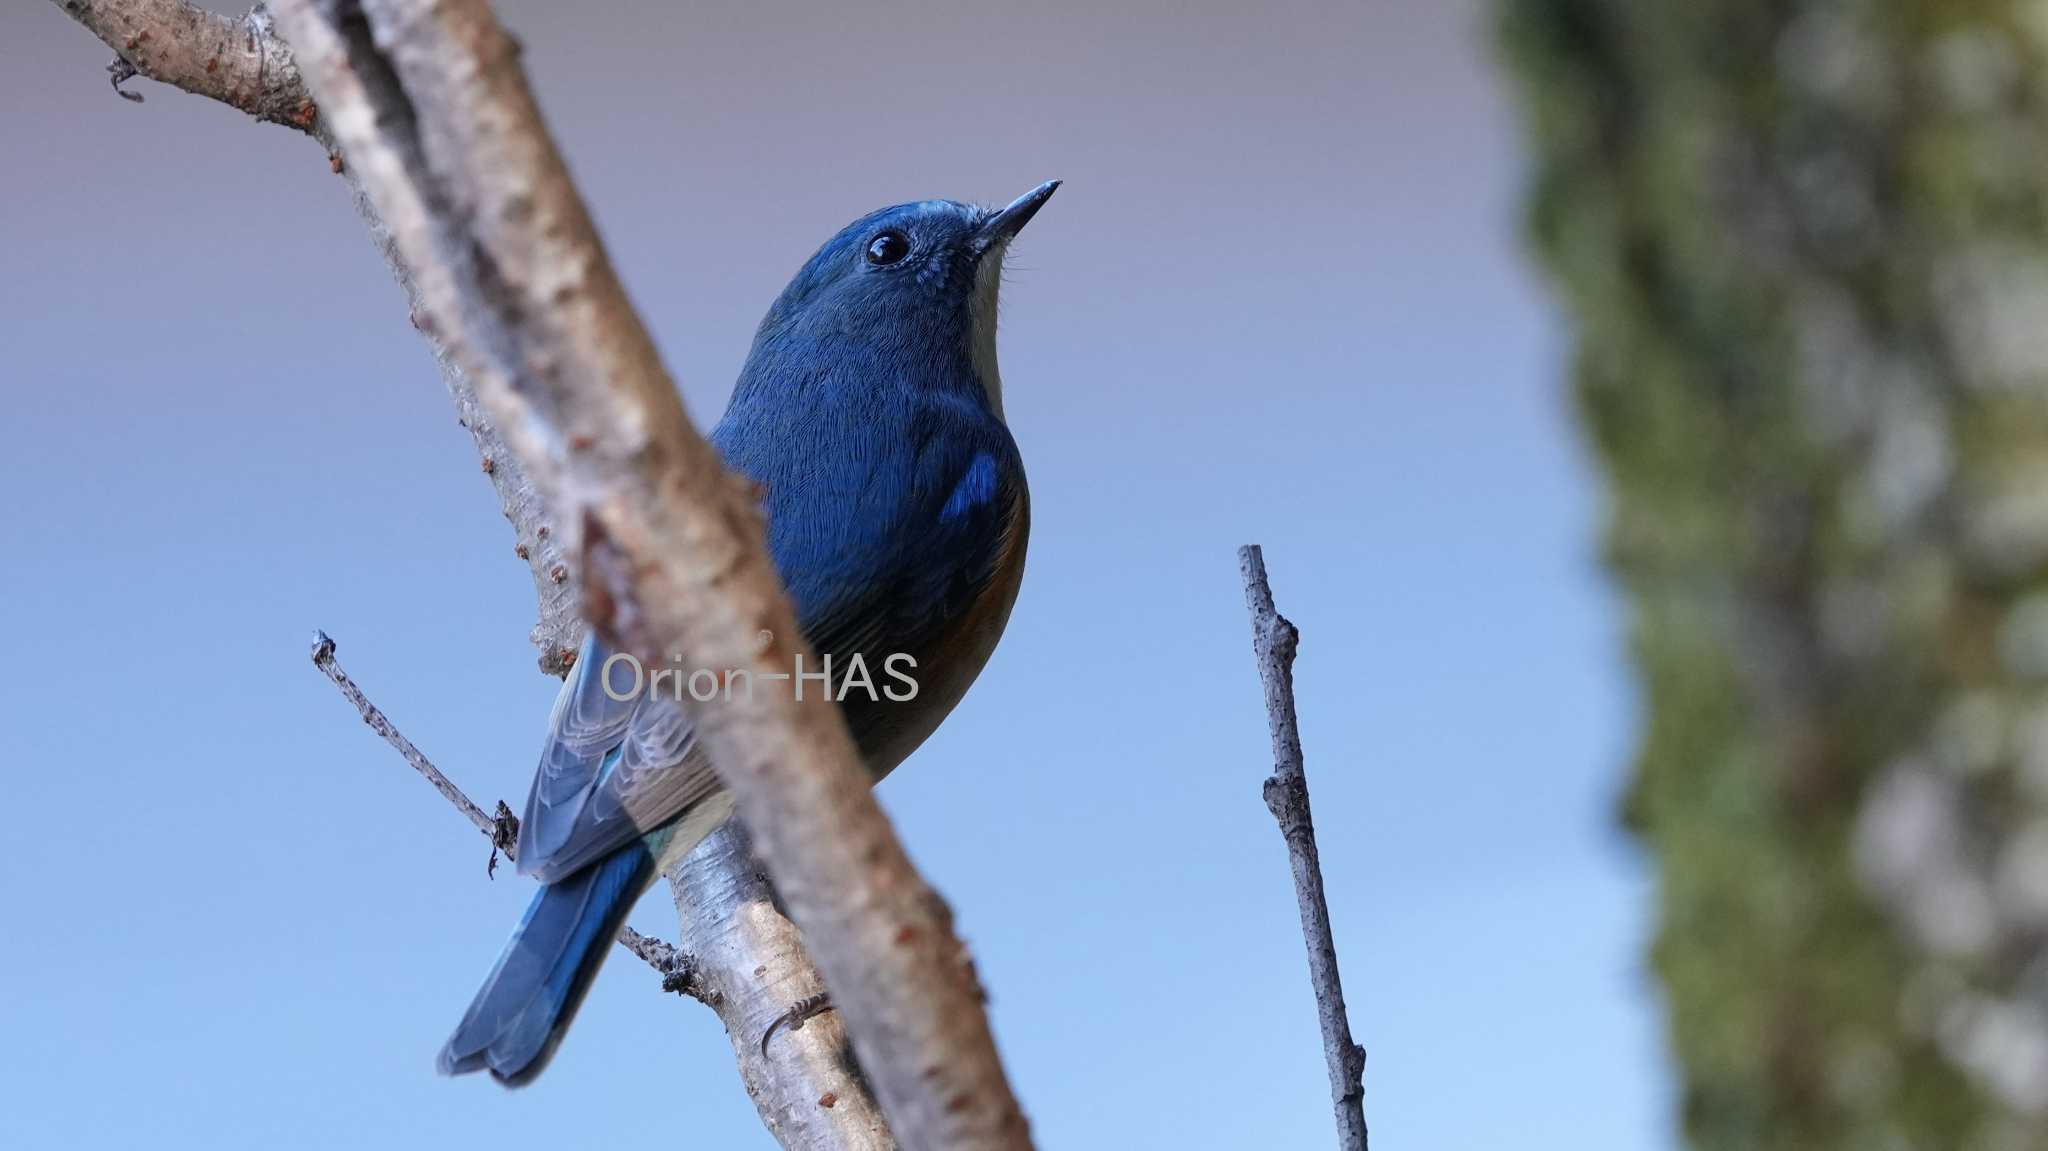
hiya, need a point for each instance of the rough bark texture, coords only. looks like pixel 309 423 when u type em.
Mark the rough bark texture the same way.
pixel 232 59
pixel 748 959
pixel 1274 640
pixel 1805 249
pixel 434 117
pixel 713 895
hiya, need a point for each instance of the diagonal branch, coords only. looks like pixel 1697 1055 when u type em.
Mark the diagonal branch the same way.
pixel 678 972
pixel 235 60
pixel 1274 640
pixel 502 830
pixel 434 116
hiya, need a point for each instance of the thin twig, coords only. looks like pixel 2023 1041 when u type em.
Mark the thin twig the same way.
pixel 1274 641
pixel 323 658
pixel 677 970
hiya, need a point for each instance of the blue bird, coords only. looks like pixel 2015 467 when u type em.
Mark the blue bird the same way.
pixel 870 414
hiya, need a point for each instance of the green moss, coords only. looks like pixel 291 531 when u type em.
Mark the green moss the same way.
pixel 1761 217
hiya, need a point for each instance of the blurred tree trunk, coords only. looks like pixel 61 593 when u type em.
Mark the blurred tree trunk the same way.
pixel 1804 248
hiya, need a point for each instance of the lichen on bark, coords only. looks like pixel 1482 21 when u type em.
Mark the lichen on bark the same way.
pixel 1803 246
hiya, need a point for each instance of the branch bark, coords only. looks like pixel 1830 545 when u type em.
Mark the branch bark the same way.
pixel 1274 640
pixel 435 119
pixel 745 958
pixel 796 1066
pixel 235 60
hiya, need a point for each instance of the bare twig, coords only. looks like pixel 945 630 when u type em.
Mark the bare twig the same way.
pixel 235 60
pixel 676 968
pixel 434 116
pixel 323 658
pixel 1274 640
pixel 678 972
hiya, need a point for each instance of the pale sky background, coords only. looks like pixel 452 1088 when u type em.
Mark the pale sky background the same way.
pixel 1280 298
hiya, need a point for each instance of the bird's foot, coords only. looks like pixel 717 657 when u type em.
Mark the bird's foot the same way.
pixel 504 836
pixel 802 1011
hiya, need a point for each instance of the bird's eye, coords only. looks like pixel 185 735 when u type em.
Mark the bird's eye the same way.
pixel 888 248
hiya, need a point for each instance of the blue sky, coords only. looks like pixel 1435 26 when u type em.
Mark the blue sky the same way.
pixel 1280 299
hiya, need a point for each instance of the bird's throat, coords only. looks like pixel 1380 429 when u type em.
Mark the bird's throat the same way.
pixel 981 326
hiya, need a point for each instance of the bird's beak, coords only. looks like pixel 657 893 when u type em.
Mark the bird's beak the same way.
pixel 997 229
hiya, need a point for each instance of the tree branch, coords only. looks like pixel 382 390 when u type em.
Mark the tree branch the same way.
pixel 434 116
pixel 493 827
pixel 1274 640
pixel 676 967
pixel 235 60
pixel 804 1082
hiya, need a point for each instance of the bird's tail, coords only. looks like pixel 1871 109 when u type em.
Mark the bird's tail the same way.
pixel 519 1014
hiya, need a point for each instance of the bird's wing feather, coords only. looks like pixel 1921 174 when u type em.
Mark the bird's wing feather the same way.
pixel 587 724
pixel 613 770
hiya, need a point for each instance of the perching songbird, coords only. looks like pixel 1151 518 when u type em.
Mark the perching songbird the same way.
pixel 870 414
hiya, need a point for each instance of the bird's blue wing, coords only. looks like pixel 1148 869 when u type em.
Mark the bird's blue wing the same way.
pixel 614 769
pixel 616 765
pixel 945 516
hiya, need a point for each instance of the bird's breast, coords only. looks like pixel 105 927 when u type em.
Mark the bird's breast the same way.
pixel 949 662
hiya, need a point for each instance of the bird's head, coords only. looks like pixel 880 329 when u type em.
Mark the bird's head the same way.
pixel 916 279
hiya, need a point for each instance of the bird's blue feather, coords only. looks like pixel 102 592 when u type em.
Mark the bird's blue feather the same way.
pixel 516 1018
pixel 975 488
